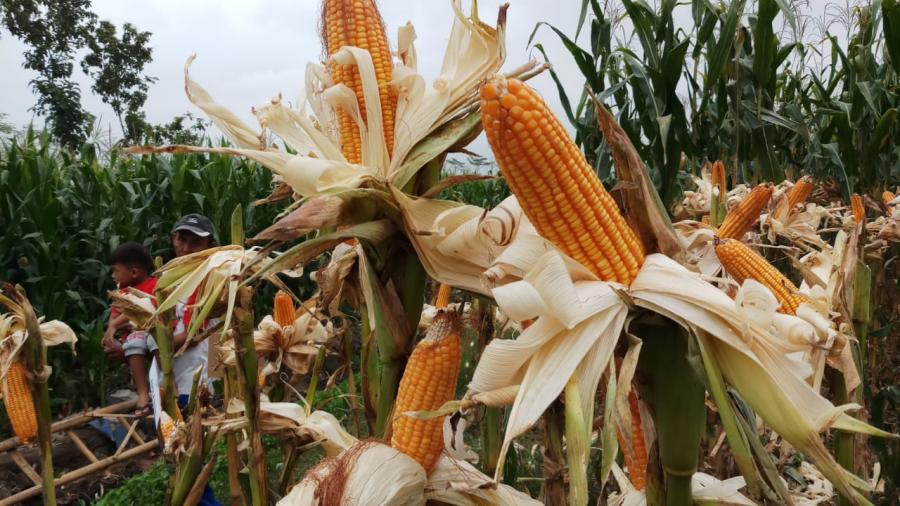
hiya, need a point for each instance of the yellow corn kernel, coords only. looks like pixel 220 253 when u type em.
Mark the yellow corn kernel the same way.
pixel 742 263
pixel 741 219
pixel 886 198
pixel 443 296
pixel 358 23
pixel 799 192
pixel 859 210
pixel 283 313
pixel 556 187
pixel 428 382
pixel 19 403
pixel 636 456
pixel 166 426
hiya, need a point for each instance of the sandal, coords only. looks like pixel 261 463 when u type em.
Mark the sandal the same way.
pixel 143 411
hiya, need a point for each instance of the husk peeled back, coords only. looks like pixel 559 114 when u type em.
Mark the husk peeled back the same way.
pixel 13 336
pixel 753 364
pixel 474 51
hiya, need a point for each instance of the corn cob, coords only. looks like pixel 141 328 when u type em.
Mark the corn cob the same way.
pixel 799 192
pixel 719 179
pixel 742 263
pixel 284 313
pixel 357 23
pixel 636 456
pixel 886 198
pixel 742 218
pixel 166 426
pixel 556 187
pixel 443 296
pixel 428 382
pixel 19 403
pixel 859 210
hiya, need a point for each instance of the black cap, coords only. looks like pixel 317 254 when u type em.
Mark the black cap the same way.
pixel 195 224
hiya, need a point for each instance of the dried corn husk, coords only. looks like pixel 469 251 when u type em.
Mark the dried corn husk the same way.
pixel 294 346
pixel 13 335
pixel 474 51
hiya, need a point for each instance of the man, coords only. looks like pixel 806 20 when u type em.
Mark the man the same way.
pixel 192 233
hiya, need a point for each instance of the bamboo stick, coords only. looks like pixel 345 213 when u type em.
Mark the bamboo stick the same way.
pixel 80 445
pixel 25 467
pixel 73 422
pixel 81 473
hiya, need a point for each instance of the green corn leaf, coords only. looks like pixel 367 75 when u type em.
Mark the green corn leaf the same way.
pixel 722 48
pixel 643 19
pixel 583 59
pixel 891 22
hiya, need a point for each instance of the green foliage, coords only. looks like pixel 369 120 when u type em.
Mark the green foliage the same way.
pixel 146 488
pixel 116 66
pixel 737 87
pixel 63 213
pixel 53 32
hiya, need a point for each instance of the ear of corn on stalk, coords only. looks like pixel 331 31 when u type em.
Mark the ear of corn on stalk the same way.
pixel 635 455
pixel 799 192
pixel 283 312
pixel 859 210
pixel 741 262
pixel 556 187
pixel 443 296
pixel 428 382
pixel 886 198
pixel 19 403
pixel 742 218
pixel 357 23
pixel 719 179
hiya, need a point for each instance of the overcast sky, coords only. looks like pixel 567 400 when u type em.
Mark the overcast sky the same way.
pixel 249 51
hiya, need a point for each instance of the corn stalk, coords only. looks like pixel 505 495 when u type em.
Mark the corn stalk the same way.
pixel 36 363
pixel 676 398
pixel 248 370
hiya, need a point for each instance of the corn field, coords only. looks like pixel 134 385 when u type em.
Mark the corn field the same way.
pixel 714 325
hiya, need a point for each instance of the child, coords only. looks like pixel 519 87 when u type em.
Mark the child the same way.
pixel 132 266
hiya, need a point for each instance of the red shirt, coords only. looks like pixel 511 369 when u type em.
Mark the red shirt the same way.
pixel 147 286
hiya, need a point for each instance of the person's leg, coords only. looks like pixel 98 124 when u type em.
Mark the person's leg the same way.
pixel 138 366
pixel 136 349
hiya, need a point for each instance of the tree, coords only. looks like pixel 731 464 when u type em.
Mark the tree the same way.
pixel 117 67
pixel 53 30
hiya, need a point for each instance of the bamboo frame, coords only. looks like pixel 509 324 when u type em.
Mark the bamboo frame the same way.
pixel 66 426
pixel 81 473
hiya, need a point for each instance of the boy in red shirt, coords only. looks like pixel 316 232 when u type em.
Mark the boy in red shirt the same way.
pixel 132 266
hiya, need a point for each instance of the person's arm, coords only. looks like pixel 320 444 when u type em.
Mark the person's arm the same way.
pixel 178 340
pixel 113 348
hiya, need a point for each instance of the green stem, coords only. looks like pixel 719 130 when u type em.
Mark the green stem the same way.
pixel 737 441
pixel 368 368
pixel 677 400
pixel 231 443
pixel 843 441
pixel 164 342
pixel 314 379
pixel 245 351
pixel 391 372
pixel 678 489
pixel 577 446
pixel 36 358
